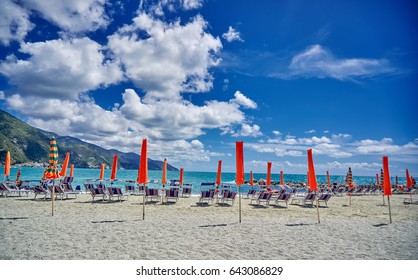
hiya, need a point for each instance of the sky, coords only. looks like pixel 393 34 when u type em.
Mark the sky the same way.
pixel 195 76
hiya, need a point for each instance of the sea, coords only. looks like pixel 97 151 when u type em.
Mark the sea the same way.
pixel 81 175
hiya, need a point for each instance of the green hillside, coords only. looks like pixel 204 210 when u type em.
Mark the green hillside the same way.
pixel 29 145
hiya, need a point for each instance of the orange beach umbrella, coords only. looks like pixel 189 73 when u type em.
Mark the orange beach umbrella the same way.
pixel 387 188
pixel 164 175
pixel 64 167
pixel 52 170
pixel 102 169
pixel 251 179
pixel 328 179
pixel 143 166
pixel 219 173
pixel 281 178
pixel 268 178
pixel 7 165
pixel 72 170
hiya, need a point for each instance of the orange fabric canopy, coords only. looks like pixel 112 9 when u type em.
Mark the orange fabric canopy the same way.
pixel 239 147
pixel 143 165
pixel 312 177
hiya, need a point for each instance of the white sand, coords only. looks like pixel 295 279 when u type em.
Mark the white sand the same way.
pixel 84 230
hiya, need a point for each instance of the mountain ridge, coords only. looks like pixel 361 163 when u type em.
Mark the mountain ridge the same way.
pixel 30 146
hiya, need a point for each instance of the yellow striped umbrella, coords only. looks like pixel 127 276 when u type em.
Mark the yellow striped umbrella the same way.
pixel 52 170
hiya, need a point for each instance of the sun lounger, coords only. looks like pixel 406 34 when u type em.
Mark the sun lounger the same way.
pixel 285 197
pixel 151 195
pixel 251 193
pixel 68 188
pixel 186 190
pixel 13 189
pixel 228 197
pixel 171 195
pixel 207 196
pixel 96 192
pixel 323 198
pixel 116 192
pixel 309 198
pixel 262 197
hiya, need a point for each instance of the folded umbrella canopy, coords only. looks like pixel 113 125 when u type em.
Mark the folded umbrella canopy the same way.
pixel 52 170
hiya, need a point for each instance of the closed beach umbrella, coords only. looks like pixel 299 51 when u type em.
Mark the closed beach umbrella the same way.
pixel 408 179
pixel 251 179
pixel 382 178
pixel 313 186
pixel 102 168
pixel 143 165
pixel 181 176
pixel 7 165
pixel 239 175
pixel 307 178
pixel 328 179
pixel 164 175
pixel 387 188
pixel 219 173
pixel 349 179
pixel 72 170
pixel 281 178
pixel 52 170
pixel 64 167
pixel 239 178
pixel 377 180
pixel 19 172
pixel 268 178
pixel 114 167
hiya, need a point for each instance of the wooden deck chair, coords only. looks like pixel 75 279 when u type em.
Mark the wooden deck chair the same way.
pixel 309 198
pixel 323 198
pixel 151 195
pixel 96 192
pixel 228 197
pixel 116 192
pixel 207 196
pixel 171 195
pixel 186 190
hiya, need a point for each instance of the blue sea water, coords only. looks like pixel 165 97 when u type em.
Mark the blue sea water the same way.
pixel 191 177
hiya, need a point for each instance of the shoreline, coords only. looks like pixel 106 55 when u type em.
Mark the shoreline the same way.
pixel 82 230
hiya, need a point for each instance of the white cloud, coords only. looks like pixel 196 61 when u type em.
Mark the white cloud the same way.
pixel 244 101
pixel 385 146
pixel 73 16
pixel 232 35
pixel 2 96
pixel 310 131
pixel 61 68
pixel 170 59
pixel 319 62
pixel 14 22
pixel 248 130
pixel 276 132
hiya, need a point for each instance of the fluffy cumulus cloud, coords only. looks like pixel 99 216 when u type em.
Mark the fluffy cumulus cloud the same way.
pixel 168 58
pixel 73 16
pixel 242 100
pixel 158 7
pixel 232 35
pixel 385 146
pixel 318 62
pixel 61 68
pixel 14 22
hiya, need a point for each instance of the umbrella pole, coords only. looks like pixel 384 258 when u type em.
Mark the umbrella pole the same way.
pixel 239 194
pixel 390 214
pixel 143 204
pixel 53 196
pixel 350 198
pixel 317 208
pixel 383 197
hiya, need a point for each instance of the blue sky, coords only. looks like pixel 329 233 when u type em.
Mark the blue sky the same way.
pixel 194 76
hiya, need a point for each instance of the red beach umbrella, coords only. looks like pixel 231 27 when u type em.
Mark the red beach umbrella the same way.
pixel 181 176
pixel 281 178
pixel 219 174
pixel 312 177
pixel 408 179
pixel 268 178
pixel 387 188
pixel 251 179
pixel 239 163
pixel 114 167
pixel 307 178
pixel 143 166
pixel 72 170
pixel 64 167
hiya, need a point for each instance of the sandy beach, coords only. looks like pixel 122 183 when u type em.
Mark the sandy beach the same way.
pixel 82 230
